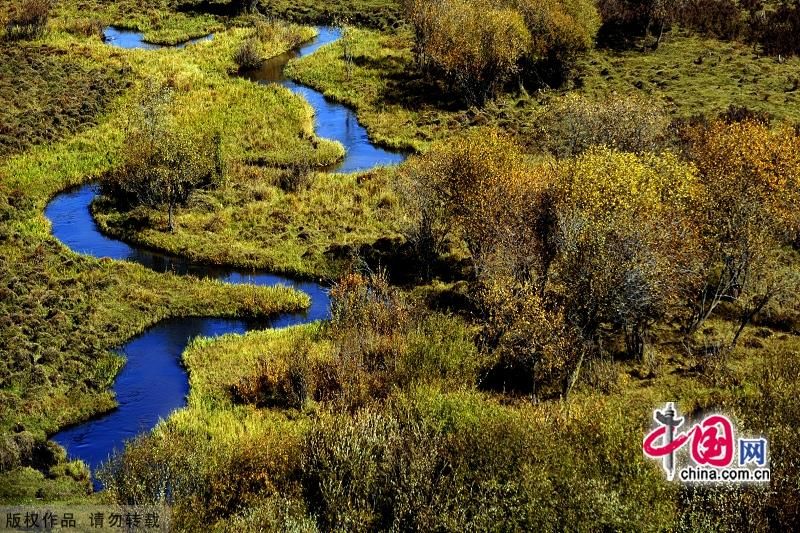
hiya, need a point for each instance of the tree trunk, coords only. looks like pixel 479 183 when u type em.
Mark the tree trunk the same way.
pixel 170 219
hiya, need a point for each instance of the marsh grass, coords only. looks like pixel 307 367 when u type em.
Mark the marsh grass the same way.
pixel 253 222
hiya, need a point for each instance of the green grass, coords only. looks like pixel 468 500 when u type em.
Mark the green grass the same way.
pixel 154 18
pixel 252 222
pixel 697 76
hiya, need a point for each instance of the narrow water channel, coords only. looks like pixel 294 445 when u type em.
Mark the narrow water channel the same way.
pixel 153 382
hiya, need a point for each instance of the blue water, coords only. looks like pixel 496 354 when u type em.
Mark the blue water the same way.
pixel 331 120
pixel 153 382
pixel 134 39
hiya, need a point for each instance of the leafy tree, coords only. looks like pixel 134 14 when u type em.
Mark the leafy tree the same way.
pixel 626 243
pixel 602 244
pixel 752 179
pixel 161 164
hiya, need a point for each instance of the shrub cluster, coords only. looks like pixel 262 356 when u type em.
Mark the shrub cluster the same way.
pixel 477 47
pixel 28 19
pixel 570 254
pixel 571 125
pixel 774 26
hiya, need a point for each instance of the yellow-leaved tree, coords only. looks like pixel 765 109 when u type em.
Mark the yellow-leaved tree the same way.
pixel 751 174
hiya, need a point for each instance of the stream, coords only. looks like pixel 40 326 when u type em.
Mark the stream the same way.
pixel 153 382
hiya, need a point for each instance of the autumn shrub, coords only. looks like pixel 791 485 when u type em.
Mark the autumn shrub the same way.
pixel 487 189
pixel 533 348
pixel 566 252
pixel 478 47
pixel 162 163
pixel 405 468
pixel 382 341
pixel 766 410
pixel 627 242
pixel 87 27
pixel 472 45
pixel 202 477
pixel 560 31
pixel 625 19
pixel 28 20
pixel 296 177
pixel 279 380
pixel 369 319
pixel 750 173
pixel 572 124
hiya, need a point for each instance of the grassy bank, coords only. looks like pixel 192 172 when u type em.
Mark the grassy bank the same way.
pixel 64 313
pixel 252 222
pixel 689 75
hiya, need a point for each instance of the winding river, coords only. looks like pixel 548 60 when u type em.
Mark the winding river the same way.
pixel 153 381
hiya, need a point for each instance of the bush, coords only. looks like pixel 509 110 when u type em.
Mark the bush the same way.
pixel 560 250
pixel 572 124
pixel 722 19
pixel 249 55
pixel 296 177
pixel 407 468
pixel 472 45
pixel 28 20
pixel 627 20
pixel 162 164
pixel 751 176
pixel 560 31
pixel 778 29
pixel 86 27
pixel 478 47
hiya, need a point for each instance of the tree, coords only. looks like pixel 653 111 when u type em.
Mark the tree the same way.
pixel 560 31
pixel 752 179
pixel 639 17
pixel 627 248
pixel 477 47
pixel 599 245
pixel 161 164
pixel 472 45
